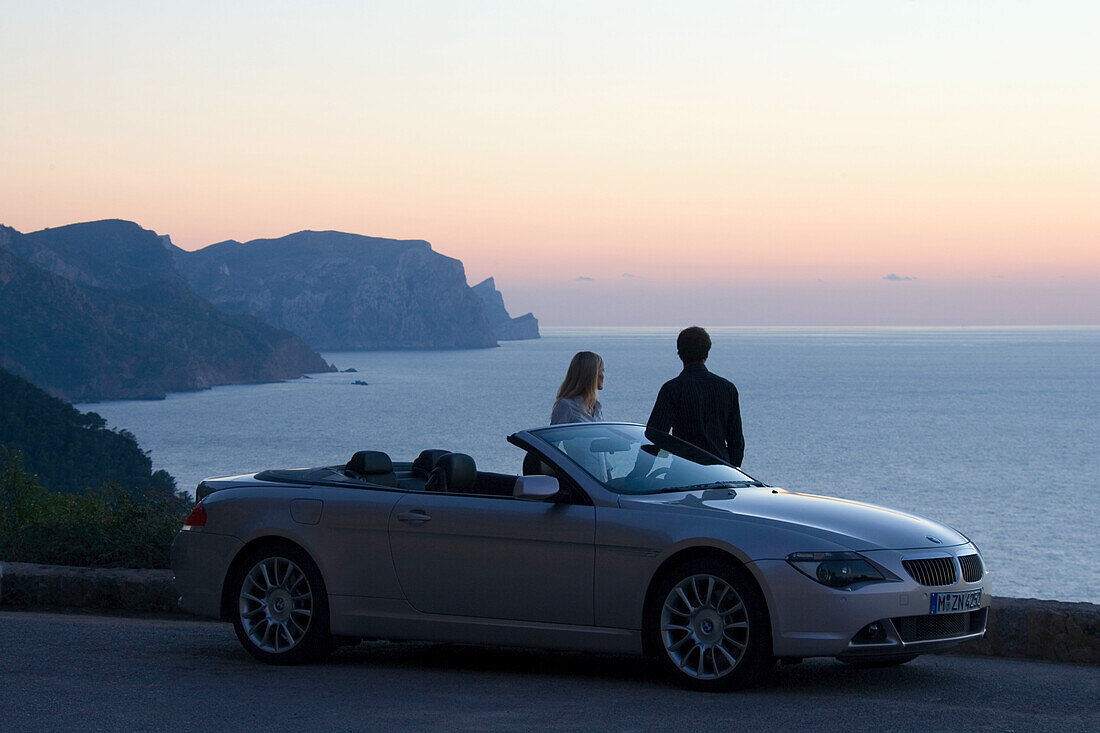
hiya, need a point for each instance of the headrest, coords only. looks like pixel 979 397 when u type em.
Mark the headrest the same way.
pixel 369 462
pixel 460 471
pixel 427 459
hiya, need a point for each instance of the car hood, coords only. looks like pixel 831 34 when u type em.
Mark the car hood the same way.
pixel 856 525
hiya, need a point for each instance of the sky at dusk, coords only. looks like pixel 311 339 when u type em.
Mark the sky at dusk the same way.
pixel 609 163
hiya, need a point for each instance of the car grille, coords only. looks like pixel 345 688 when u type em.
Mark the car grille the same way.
pixel 971 567
pixel 946 626
pixel 932 571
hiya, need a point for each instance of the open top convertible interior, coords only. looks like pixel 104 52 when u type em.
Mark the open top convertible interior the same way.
pixel 625 459
pixel 433 470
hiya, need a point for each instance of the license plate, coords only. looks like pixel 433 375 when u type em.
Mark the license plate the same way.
pixel 971 600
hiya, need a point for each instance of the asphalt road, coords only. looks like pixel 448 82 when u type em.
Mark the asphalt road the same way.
pixel 70 672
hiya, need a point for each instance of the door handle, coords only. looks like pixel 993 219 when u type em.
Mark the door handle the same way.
pixel 416 517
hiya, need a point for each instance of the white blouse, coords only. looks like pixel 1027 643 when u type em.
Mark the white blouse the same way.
pixel 571 409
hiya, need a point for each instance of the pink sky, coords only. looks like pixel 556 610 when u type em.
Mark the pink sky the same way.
pixel 800 152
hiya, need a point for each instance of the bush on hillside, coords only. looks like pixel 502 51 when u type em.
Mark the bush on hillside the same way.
pixel 108 527
pixel 70 451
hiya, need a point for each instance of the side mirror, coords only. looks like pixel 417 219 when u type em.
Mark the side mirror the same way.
pixel 535 487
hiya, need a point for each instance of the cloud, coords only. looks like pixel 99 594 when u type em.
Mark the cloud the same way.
pixel 583 279
pixel 897 278
pixel 627 275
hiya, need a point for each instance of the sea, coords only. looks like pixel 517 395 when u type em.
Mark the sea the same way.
pixel 992 431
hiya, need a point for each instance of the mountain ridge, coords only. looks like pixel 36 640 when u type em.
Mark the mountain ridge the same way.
pixel 108 309
pixel 336 290
pixel 85 343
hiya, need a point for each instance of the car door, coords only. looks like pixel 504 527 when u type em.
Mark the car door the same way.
pixel 495 557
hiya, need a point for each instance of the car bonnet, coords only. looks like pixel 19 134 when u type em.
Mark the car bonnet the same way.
pixel 867 527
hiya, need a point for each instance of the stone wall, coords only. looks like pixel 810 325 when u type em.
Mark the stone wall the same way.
pixel 27 584
pixel 1026 628
pixel 1020 628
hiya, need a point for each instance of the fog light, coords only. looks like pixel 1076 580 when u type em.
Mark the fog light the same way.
pixel 872 633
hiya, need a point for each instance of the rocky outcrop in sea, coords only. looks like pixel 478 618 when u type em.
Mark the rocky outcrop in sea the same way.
pixel 505 328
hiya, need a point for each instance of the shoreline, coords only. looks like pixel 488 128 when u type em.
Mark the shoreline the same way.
pixel 1019 628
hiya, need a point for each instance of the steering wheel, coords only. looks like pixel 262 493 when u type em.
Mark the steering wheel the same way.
pixel 649 481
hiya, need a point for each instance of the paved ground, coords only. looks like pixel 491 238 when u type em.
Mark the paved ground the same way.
pixel 67 672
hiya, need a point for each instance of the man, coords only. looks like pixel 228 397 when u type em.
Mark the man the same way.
pixel 699 406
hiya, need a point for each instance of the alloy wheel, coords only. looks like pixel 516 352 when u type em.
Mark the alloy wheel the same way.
pixel 275 605
pixel 704 627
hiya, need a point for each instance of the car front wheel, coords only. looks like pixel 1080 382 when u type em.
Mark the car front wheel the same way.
pixel 280 612
pixel 709 624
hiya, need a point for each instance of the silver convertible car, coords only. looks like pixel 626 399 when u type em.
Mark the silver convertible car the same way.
pixel 614 539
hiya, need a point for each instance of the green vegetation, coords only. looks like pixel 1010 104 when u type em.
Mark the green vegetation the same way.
pixel 109 527
pixel 87 496
pixel 70 451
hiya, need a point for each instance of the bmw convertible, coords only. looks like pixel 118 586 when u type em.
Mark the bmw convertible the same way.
pixel 613 539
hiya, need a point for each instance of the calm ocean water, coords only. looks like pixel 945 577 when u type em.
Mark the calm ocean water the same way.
pixel 992 431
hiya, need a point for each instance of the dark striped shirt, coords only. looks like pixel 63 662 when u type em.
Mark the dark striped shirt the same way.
pixel 701 408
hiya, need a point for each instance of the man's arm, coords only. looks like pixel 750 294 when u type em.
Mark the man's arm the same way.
pixel 661 416
pixel 659 419
pixel 735 438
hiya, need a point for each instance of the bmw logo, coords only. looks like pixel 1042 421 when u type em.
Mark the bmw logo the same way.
pixel 930 538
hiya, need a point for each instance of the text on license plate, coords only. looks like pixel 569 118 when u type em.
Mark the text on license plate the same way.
pixel 971 600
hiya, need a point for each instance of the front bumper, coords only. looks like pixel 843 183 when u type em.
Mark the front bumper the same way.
pixel 918 635
pixel 813 620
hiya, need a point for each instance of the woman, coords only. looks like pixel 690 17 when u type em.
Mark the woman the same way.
pixel 577 400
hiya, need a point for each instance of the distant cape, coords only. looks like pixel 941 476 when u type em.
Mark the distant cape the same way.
pixel 344 291
pixel 136 316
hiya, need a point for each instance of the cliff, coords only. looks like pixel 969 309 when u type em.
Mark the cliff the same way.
pixel 505 328
pixel 344 291
pixel 86 343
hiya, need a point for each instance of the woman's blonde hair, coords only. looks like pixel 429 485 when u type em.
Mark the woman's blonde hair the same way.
pixel 582 378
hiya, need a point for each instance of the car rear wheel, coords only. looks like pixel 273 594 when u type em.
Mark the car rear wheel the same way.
pixel 280 612
pixel 710 626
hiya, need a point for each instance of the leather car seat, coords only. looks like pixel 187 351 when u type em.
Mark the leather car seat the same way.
pixel 425 462
pixel 373 467
pixel 454 472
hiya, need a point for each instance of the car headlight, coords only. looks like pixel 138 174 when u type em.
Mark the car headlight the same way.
pixel 835 569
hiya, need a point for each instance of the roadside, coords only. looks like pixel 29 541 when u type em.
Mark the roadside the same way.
pixel 1019 628
pixel 83 672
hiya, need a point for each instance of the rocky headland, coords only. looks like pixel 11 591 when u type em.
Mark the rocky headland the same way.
pixel 85 343
pixel 505 328
pixel 345 291
pixel 107 309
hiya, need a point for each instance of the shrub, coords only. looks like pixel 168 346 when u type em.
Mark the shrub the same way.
pixel 108 527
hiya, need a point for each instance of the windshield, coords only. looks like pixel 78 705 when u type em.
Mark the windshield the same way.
pixel 628 459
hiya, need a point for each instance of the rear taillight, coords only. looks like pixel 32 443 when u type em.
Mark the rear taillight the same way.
pixel 197 517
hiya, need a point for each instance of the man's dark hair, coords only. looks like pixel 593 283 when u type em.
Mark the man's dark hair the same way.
pixel 693 345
